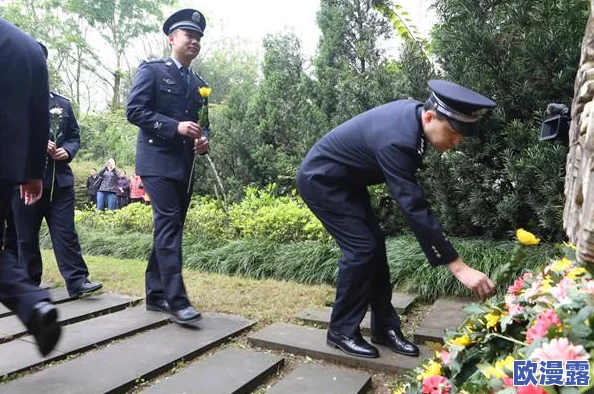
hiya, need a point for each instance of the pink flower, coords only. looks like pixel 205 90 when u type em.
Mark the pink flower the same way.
pixel 560 291
pixel 516 287
pixel 445 357
pixel 530 389
pixel 560 350
pixel 512 307
pixel 541 327
pixel 436 385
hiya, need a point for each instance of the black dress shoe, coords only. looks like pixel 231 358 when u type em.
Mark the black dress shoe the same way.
pixel 86 288
pixel 44 326
pixel 188 315
pixel 355 346
pixel 158 306
pixel 394 340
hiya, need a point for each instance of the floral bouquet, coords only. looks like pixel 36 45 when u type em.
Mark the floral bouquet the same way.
pixel 536 334
pixel 203 121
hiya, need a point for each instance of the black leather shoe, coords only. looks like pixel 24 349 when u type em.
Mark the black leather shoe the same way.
pixel 86 288
pixel 355 346
pixel 394 340
pixel 188 315
pixel 44 326
pixel 158 306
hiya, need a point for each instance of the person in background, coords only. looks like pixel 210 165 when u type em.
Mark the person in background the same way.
pixel 136 189
pixel 93 182
pixel 106 195
pixel 24 125
pixel 56 206
pixel 123 192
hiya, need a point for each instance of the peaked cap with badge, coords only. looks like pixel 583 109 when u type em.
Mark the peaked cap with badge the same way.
pixel 186 19
pixel 462 107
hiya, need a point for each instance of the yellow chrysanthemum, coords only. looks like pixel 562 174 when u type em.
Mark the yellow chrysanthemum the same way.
pixel 576 272
pixel 498 370
pixel 462 341
pixel 526 238
pixel 398 390
pixel 432 368
pixel 492 318
pixel 561 265
pixel 545 284
pixel 204 91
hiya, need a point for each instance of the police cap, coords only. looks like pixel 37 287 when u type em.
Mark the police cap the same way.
pixel 462 107
pixel 187 19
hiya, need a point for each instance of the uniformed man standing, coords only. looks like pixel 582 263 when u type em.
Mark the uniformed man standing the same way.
pixel 24 124
pixel 164 103
pixel 385 144
pixel 56 205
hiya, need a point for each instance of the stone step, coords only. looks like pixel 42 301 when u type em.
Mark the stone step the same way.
pixel 312 342
pixel 402 302
pixel 71 312
pixel 321 317
pixel 79 337
pixel 58 295
pixel 117 368
pixel 445 314
pixel 315 379
pixel 228 371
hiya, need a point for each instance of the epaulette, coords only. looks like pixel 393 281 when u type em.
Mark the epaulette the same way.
pixel 59 95
pixel 155 61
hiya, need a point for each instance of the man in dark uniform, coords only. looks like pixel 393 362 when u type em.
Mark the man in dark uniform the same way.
pixel 385 144
pixel 56 205
pixel 24 123
pixel 164 103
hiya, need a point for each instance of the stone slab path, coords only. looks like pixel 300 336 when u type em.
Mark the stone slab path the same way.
pixel 111 344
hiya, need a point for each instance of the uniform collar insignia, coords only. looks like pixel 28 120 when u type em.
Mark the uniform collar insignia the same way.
pixel 168 63
pixel 168 81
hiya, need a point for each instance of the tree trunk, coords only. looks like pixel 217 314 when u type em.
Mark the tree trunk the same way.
pixel 578 215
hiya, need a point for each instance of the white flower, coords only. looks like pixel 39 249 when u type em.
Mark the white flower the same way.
pixel 56 111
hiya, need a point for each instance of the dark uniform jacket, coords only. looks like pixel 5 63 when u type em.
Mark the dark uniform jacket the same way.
pixel 384 144
pixel 158 101
pixel 67 137
pixel 23 128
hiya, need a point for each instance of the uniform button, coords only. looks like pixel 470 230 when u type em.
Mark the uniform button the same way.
pixel 186 111
pixel 150 141
pixel 168 90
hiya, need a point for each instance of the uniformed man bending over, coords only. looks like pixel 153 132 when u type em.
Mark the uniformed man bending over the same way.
pixel 385 144
pixel 164 104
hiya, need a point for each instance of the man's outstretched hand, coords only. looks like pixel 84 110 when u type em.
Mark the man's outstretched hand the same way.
pixel 475 280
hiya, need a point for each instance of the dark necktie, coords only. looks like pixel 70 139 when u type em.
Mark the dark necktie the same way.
pixel 185 73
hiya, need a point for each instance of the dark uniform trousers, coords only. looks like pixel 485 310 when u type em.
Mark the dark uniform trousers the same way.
pixel 16 290
pixel 59 215
pixel 170 202
pixel 363 273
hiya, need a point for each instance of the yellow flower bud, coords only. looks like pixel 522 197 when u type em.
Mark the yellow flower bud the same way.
pixel 526 238
pixel 204 91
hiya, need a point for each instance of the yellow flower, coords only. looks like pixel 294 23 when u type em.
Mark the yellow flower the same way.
pixel 497 370
pixel 545 284
pixel 526 238
pixel 492 318
pixel 204 91
pixel 575 272
pixel 462 341
pixel 432 368
pixel 399 390
pixel 561 265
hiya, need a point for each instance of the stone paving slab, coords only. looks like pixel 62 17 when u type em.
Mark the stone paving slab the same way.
pixel 312 342
pixel 446 313
pixel 79 337
pixel 315 379
pixel 116 368
pixel 81 309
pixel 228 371
pixel 321 317
pixel 402 302
pixel 58 295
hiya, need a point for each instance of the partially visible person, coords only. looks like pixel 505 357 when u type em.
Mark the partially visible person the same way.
pixel 136 189
pixel 93 182
pixel 24 125
pixel 123 192
pixel 164 104
pixel 106 195
pixel 56 206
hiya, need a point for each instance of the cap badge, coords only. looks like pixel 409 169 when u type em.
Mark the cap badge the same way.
pixel 196 17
